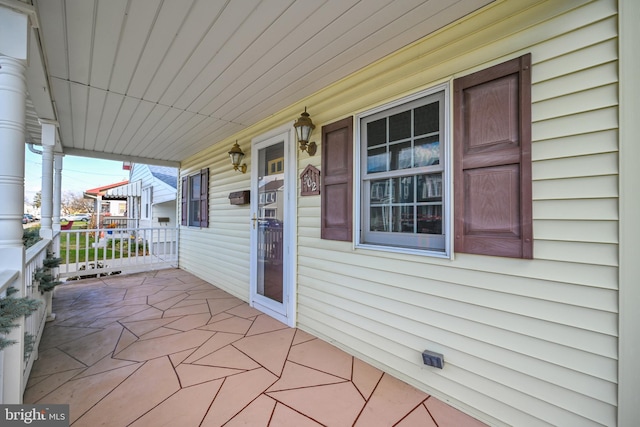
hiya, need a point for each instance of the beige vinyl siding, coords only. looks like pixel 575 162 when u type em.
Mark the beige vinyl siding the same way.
pixel 219 254
pixel 526 342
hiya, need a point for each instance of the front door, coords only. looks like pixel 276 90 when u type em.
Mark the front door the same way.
pixel 272 218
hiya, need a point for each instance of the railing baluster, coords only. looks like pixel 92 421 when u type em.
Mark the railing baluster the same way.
pixel 77 260
pixel 66 245
pixel 132 249
pixel 34 324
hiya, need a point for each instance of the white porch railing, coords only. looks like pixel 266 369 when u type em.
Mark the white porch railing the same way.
pixel 13 380
pixel 7 279
pixel 34 324
pixel 121 222
pixel 105 251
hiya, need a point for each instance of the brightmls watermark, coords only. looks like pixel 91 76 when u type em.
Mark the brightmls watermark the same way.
pixel 34 415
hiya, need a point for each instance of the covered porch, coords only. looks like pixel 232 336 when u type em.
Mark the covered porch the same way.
pixel 104 81
pixel 167 348
pixel 543 336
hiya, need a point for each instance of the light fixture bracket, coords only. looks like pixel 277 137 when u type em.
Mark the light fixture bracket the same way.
pixel 310 148
pixel 242 168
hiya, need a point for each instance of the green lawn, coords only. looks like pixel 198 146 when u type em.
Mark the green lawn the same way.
pixel 77 225
pixel 79 250
pixel 75 245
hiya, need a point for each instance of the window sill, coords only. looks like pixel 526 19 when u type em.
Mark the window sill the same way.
pixel 406 251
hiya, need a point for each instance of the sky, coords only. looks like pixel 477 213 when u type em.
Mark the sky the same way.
pixel 78 173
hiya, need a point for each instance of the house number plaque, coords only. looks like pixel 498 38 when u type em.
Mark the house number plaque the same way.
pixel 310 181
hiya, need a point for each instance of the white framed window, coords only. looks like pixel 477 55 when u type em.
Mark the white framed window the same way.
pixel 146 203
pixel 268 197
pixel 195 191
pixel 403 175
pixel 195 199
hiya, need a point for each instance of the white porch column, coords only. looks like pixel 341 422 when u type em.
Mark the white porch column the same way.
pixel 57 194
pixel 48 143
pixel 14 29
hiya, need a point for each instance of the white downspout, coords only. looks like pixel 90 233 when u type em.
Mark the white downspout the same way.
pixel 46 207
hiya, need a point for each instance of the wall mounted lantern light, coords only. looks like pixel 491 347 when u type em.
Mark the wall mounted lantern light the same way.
pixel 304 126
pixel 236 155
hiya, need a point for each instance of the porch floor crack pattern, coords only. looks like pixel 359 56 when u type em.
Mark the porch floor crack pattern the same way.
pixel 167 348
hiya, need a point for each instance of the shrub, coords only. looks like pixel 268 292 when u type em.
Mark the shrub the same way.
pixel 12 309
pixel 30 236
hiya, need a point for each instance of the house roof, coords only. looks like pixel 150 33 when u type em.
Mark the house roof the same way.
pixel 101 191
pixel 132 189
pixel 166 174
pixel 273 185
pixel 158 82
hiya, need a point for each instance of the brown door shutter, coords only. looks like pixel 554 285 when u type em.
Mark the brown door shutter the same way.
pixel 337 181
pixel 204 198
pixel 183 201
pixel 492 161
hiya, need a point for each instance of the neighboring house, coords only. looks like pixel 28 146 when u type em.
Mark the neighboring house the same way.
pixel 156 205
pixel 270 200
pixel 107 204
pixel 150 196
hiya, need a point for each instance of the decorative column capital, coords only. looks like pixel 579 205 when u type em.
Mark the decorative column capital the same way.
pixel 14 30
pixel 49 128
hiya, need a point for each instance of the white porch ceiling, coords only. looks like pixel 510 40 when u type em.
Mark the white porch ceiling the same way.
pixel 156 81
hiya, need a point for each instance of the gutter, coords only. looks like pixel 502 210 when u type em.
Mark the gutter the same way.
pixel 33 149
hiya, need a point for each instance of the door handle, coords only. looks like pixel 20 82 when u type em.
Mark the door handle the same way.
pixel 254 219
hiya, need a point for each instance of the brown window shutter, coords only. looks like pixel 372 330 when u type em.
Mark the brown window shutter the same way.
pixel 337 181
pixel 183 201
pixel 492 161
pixel 204 198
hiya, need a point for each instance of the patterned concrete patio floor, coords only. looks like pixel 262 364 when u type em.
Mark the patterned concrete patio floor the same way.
pixel 166 348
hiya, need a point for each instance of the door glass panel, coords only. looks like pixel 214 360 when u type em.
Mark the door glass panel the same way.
pixel 270 222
